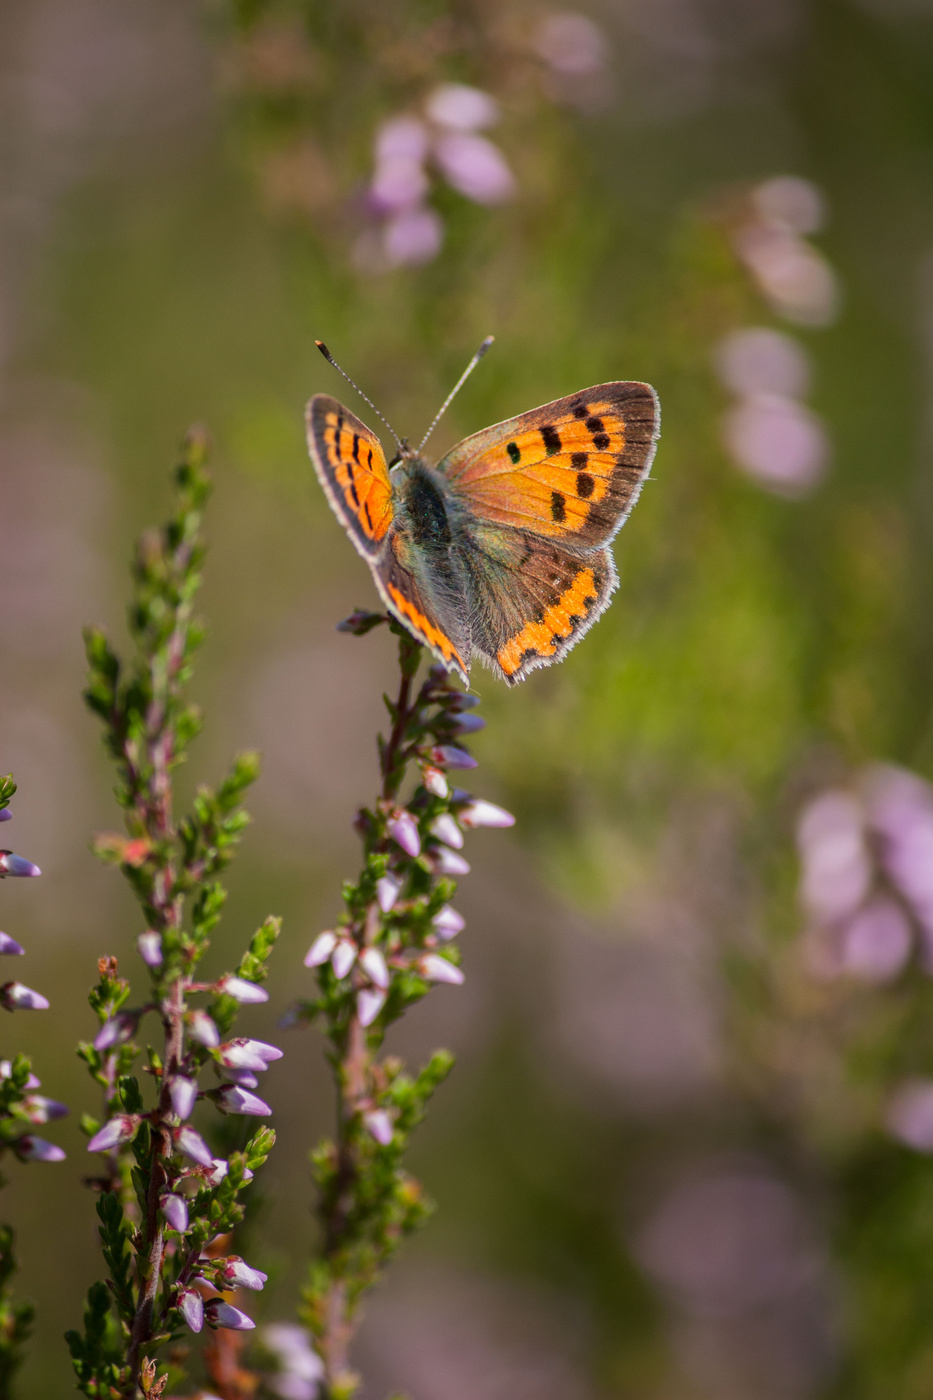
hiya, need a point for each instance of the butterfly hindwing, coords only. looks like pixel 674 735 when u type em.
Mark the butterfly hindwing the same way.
pixel 435 616
pixel 569 471
pixel 352 469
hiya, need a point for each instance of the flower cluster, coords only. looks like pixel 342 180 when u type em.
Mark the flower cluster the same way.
pixel 443 138
pixel 394 940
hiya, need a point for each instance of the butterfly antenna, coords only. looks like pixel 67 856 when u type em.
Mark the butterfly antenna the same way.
pixel 457 387
pixel 331 361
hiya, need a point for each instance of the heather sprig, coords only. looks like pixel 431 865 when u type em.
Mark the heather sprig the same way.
pixel 166 1203
pixel 393 940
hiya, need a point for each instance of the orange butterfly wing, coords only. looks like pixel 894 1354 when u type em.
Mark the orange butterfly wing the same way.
pixel 352 469
pixel 570 471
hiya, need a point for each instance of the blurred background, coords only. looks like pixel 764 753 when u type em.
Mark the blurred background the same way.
pixel 684 1154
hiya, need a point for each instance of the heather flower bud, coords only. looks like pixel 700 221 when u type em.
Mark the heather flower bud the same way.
pixel 16 865
pixel 434 968
pixel 6 815
pixel 236 1273
pixel 220 1168
pixel 193 1146
pixel 117 1130
pixel 248 1054
pixel 447 862
pixel 453 757
pixel 344 956
pixel 9 945
pixel 202 1029
pixel 448 923
pixel 150 948
pixel 174 1212
pixel 39 1109
pixel 469 724
pixel 6 1072
pixel 461 701
pixel 119 1028
pixel 370 1002
pixel 217 1313
pixel 379 1124
pixel 183 1094
pixel 482 813
pixel 360 622
pixel 191 1307
pixel 231 1098
pixel 321 949
pixel 403 829
pixel 33 1149
pixel 435 782
pixel 387 892
pixel 446 829
pixel 241 990
pixel 374 965
pixel 15 997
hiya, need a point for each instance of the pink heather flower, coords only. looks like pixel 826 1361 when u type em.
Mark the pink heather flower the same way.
pixel 217 1313
pixel 183 1094
pixel 453 756
pixel 117 1130
pixel 398 183
pixel 300 1369
pixel 572 45
pixel 175 1212
pixel 6 815
pixel 482 813
pixel 475 167
pixel 202 1029
pixel 9 945
pixel 387 892
pixel 321 949
pixel 191 1306
pixel 469 724
pixel 403 829
pixel 412 237
pixel 401 138
pixel 16 865
pixel 119 1028
pixel 434 968
pixel 370 1002
pixel 150 948
pixel 344 956
pixel 15 997
pixel 447 862
pixel 243 1053
pixel 779 442
pixel 836 866
pixel 435 782
pixel 193 1146
pixel 244 1077
pixel 231 1098
pixel 39 1109
pixel 238 1274
pixel 6 1071
pixel 241 990
pixel 462 108
pixel 34 1149
pixel 380 1125
pixel 876 941
pixel 910 1115
pixel 374 965
pixel 446 829
pixel 448 923
pixel 219 1169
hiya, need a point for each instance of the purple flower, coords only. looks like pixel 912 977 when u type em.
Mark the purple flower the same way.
pixel 39 1109
pixel 300 1368
pixel 119 1028
pixel 15 997
pixel 150 948
pixel 183 1094
pixel 836 868
pixel 401 138
pixel 321 949
pixel 219 1169
pixel 448 923
pixel 446 830
pixel 175 1212
pixel 191 1306
pixel 434 781
pixel 482 813
pixel 231 1098
pixel 370 1002
pixel 241 990
pixel 374 965
pixel 34 1149
pixel 16 865
pixel 403 829
pixel 412 237
pixel 434 968
pixel 9 945
pixel 876 941
pixel 238 1274
pixel 380 1125
pixel 193 1146
pixel 5 814
pixel 217 1313
pixel 447 862
pixel 469 724
pixel 243 1053
pixel 462 108
pixel 117 1130
pixel 344 956
pixel 246 1078
pixel 387 892
pixel 475 167
pixel 910 1115
pixel 6 1071
pixel 453 756
pixel 202 1029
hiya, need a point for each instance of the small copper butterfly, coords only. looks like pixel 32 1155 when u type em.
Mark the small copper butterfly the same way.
pixel 501 549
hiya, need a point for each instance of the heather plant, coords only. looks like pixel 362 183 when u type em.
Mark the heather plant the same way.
pixel 167 1203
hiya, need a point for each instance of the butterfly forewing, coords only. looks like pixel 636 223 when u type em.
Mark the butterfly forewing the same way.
pixel 570 471
pixel 352 469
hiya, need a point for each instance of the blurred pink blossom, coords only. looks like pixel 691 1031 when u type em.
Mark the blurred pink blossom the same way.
pixel 792 202
pixel 475 167
pixel 778 441
pixel 910 1114
pixel 462 108
pixel 412 237
pixel 571 44
pixel 761 360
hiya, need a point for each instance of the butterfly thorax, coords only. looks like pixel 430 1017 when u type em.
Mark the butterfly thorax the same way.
pixel 423 506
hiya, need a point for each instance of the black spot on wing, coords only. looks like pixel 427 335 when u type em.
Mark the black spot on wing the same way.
pixel 596 425
pixel 600 442
pixel 580 409
pixel 514 452
pixel 578 460
pixel 585 485
pixel 551 439
pixel 558 507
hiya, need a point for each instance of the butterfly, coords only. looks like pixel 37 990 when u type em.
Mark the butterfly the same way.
pixel 500 550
